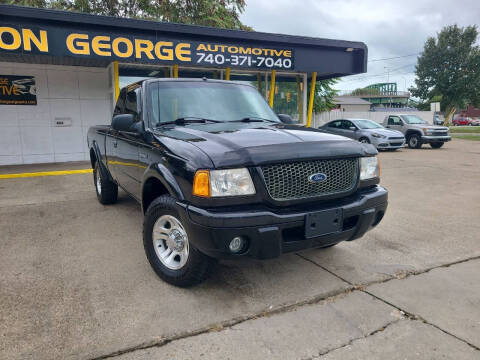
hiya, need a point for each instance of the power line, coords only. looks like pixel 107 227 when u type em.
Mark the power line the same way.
pixel 395 57
pixel 392 72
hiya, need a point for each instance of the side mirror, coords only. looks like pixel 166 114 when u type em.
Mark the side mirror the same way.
pixel 353 128
pixel 286 119
pixel 123 122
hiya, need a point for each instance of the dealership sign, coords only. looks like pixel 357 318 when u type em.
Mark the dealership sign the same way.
pixel 139 48
pixel 17 90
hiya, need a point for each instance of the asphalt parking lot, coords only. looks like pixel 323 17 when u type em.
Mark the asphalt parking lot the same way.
pixel 75 283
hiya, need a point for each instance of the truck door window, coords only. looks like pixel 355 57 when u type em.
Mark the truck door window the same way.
pixel 394 120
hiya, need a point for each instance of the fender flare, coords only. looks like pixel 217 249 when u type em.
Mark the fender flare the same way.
pixel 99 158
pixel 412 131
pixel 161 173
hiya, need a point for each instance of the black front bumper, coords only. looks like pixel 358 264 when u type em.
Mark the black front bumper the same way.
pixel 271 232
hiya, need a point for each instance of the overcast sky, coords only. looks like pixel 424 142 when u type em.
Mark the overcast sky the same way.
pixel 389 28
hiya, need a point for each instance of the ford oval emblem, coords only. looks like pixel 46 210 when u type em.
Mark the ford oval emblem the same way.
pixel 317 178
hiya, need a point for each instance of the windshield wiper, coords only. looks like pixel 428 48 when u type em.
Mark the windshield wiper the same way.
pixel 188 120
pixel 253 119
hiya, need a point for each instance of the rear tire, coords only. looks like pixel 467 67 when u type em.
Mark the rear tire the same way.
pixel 414 141
pixel 436 145
pixel 165 240
pixel 107 190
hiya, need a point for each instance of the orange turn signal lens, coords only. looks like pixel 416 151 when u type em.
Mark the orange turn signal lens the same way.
pixel 201 183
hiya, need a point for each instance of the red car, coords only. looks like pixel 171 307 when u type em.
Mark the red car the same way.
pixel 462 120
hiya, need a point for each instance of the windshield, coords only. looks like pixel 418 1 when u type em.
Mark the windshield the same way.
pixel 367 124
pixel 413 119
pixel 169 101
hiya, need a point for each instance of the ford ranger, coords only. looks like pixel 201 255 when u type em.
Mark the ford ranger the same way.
pixel 219 175
pixel 417 131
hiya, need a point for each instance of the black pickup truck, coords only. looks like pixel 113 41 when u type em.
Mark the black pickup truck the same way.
pixel 219 175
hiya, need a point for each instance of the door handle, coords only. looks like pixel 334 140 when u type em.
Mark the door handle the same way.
pixel 115 144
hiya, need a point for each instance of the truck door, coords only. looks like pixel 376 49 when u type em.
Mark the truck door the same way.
pixel 111 140
pixel 128 169
pixel 395 123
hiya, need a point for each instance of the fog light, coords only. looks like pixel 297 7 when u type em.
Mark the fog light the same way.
pixel 237 244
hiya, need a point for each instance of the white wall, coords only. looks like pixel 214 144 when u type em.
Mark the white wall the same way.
pixel 28 134
pixel 378 116
pixel 355 107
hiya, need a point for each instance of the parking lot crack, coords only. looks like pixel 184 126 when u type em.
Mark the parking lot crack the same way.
pixel 404 275
pixel 353 340
pixel 228 324
pixel 412 316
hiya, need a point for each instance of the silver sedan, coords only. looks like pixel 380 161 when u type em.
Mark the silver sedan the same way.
pixel 366 131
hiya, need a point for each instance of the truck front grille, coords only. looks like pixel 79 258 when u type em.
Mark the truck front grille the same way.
pixel 291 181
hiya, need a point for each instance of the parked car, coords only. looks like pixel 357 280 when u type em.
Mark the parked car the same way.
pixel 417 131
pixel 218 175
pixel 366 131
pixel 438 119
pixel 475 122
pixel 462 120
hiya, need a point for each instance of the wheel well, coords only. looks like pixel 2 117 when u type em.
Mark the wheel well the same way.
pixel 93 158
pixel 411 132
pixel 152 189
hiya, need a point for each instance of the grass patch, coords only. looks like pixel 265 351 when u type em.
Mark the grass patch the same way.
pixel 465 129
pixel 467 137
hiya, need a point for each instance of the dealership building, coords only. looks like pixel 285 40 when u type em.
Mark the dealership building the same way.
pixel 60 72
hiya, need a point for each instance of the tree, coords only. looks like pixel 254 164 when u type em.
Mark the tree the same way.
pixel 324 95
pixel 449 66
pixel 365 92
pixel 216 13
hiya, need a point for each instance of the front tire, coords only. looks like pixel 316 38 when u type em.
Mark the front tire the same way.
pixel 364 140
pixel 165 239
pixel 107 190
pixel 414 141
pixel 436 145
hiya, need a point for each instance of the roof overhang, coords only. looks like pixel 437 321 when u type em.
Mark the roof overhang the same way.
pixel 71 38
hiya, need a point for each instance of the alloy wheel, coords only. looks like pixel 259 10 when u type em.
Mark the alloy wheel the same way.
pixel 170 242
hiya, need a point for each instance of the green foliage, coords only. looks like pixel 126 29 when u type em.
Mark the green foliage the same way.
pixel 324 95
pixel 449 67
pixel 217 13
pixel 365 92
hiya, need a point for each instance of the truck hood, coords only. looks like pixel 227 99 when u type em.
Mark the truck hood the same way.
pixel 252 144
pixel 430 127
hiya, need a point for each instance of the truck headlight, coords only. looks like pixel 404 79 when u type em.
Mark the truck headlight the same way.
pixel 369 168
pixel 229 182
pixel 427 131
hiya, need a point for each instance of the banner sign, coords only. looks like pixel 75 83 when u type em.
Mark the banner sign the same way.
pixel 17 90
pixel 56 41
